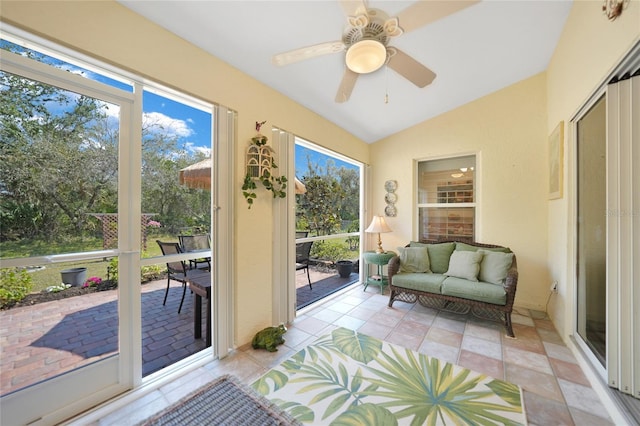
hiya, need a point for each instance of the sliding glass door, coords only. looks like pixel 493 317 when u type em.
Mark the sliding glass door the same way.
pixel 91 175
pixel 327 218
pixel 608 230
pixel 66 148
pixel 592 229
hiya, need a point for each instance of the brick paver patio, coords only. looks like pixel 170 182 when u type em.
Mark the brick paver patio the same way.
pixel 44 340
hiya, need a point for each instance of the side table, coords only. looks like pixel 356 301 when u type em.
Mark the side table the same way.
pixel 379 259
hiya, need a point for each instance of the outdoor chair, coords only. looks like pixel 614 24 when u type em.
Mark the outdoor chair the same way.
pixel 302 258
pixel 190 243
pixel 176 270
pixel 301 234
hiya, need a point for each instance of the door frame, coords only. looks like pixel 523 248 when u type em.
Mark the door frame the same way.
pixel 284 223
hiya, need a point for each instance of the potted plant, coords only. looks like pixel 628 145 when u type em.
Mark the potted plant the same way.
pixel 260 167
pixel 344 267
pixel 74 277
pixel 336 252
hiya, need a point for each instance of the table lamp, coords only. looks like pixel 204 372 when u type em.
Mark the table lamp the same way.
pixel 378 225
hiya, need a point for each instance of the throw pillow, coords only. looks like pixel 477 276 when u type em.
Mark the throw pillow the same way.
pixel 494 266
pixel 438 255
pixel 464 264
pixel 417 244
pixel 414 259
pixel 469 247
pixel 465 247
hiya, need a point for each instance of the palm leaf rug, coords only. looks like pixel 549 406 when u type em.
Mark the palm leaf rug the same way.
pixel 348 378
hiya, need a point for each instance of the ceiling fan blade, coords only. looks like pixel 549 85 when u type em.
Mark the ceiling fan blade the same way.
pixel 308 52
pixel 409 68
pixel 346 85
pixel 422 13
pixel 353 7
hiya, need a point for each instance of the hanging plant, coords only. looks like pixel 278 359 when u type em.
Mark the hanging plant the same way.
pixel 249 189
pixel 260 165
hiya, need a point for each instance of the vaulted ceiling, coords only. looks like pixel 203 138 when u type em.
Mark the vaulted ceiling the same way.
pixel 473 52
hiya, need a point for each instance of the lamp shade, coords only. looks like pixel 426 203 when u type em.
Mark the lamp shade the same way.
pixel 366 56
pixel 378 225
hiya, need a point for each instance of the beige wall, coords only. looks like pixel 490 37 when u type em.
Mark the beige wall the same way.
pixel 588 50
pixel 508 132
pixel 112 33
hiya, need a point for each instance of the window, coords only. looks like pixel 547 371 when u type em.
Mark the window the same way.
pixel 447 199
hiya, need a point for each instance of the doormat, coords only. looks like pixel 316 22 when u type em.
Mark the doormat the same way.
pixel 225 401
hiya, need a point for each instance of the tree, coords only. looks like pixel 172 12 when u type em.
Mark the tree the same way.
pixel 321 204
pixel 350 182
pixel 59 163
pixel 59 156
pixel 177 206
pixel 323 194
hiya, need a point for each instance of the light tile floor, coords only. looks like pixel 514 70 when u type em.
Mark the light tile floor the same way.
pixel 556 392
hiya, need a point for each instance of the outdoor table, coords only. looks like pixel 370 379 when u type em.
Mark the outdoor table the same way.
pixel 201 286
pixel 205 257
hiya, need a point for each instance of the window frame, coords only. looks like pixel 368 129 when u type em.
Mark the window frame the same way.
pixel 474 204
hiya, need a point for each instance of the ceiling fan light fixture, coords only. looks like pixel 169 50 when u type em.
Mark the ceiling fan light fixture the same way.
pixel 366 56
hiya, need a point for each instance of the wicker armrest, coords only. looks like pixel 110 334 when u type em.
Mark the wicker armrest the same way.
pixel 511 282
pixel 393 266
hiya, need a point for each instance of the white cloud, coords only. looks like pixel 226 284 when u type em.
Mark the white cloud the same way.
pixel 203 150
pixel 157 122
pixel 192 147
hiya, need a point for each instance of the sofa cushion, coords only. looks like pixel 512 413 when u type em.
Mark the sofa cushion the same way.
pixel 468 247
pixel 414 259
pixel 419 281
pixel 494 266
pixel 464 264
pixel 474 290
pixel 438 255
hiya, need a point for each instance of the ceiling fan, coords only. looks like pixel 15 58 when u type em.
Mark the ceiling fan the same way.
pixel 366 39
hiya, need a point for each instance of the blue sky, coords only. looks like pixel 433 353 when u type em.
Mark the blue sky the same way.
pixel 316 158
pixel 191 125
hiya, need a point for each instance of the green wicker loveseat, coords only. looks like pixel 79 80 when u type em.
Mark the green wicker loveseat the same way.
pixel 456 276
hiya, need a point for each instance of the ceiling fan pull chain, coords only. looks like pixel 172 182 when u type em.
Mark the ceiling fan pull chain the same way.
pixel 386 84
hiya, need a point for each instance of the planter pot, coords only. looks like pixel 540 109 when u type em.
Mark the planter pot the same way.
pixel 345 268
pixel 75 277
